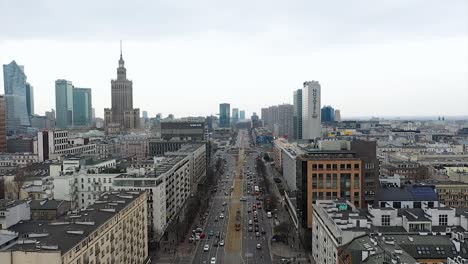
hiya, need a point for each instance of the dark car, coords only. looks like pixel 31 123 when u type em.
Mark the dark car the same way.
pixel 263 231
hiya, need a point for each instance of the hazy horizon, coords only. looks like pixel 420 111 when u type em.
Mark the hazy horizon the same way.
pixel 385 58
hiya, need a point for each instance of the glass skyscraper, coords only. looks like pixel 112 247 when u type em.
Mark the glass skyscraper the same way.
pixel 242 115
pixel 14 78
pixel 30 99
pixel 82 107
pixel 63 103
pixel 225 115
pixel 328 114
pixel 297 119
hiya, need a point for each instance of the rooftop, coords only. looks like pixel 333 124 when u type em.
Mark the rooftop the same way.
pixel 417 193
pixel 68 231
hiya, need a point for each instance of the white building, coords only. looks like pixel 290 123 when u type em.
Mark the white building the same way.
pixel 311 110
pixel 12 212
pixel 53 143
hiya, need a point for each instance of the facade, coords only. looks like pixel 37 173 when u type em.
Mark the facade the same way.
pixel 158 147
pixel 328 114
pixel 297 119
pixel 187 129
pixel 82 107
pixel 51 143
pixel 14 78
pixel 64 103
pixel 20 144
pixel 12 212
pixel 122 111
pixel 286 120
pixel 311 110
pixel 113 230
pixel 235 116
pixel 30 99
pixel 407 196
pixel 3 129
pixel 367 152
pixel 242 115
pixel 337 115
pixel 133 146
pixel 224 115
pixel 453 194
pixel 48 209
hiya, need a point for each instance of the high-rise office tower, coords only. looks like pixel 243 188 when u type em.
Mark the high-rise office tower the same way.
pixel 297 114
pixel 122 111
pixel 328 114
pixel 64 103
pixel 235 116
pixel 265 116
pixel 145 114
pixel 14 79
pixel 242 115
pixel 3 134
pixel 285 120
pixel 82 107
pixel 30 99
pixel 311 110
pixel 224 115
pixel 337 115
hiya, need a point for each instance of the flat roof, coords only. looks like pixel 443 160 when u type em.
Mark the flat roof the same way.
pixel 68 231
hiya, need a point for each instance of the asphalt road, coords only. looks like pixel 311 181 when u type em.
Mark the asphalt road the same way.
pixel 245 250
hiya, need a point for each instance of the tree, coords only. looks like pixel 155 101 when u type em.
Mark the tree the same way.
pixel 282 230
pixel 13 187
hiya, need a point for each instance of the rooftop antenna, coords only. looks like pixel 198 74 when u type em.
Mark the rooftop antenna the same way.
pixel 120 48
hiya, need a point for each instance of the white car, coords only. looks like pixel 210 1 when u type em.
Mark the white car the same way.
pixel 213 261
pixel 221 243
pixel 206 248
pixel 243 199
pixel 221 216
pixel 259 246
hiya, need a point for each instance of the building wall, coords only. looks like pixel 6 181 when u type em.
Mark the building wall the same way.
pixel 3 132
pixel 14 214
pixel 20 257
pixel 453 195
pixel 326 190
pixel 289 169
pixel 82 106
pixel 311 110
pixel 64 103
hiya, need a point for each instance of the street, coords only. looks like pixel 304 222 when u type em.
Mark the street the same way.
pixel 236 184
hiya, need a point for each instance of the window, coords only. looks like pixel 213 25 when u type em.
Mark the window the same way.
pixel 328 182
pixel 320 166
pixel 356 166
pixel 314 166
pixel 348 166
pixel 443 220
pixel 320 180
pixel 396 204
pixel 356 181
pixel 334 166
pixel 314 180
pixel 385 220
pixel 417 204
pixel 430 204
pixel 335 180
pixel 328 166
pixel 342 166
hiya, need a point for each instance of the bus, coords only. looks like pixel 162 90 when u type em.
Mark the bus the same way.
pixel 256 189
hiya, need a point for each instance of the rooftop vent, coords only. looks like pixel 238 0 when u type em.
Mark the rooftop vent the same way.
pixel 75 232
pixel 36 235
pixel 59 223
pixel 90 223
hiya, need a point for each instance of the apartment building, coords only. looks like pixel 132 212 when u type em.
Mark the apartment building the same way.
pixel 12 212
pixel 113 230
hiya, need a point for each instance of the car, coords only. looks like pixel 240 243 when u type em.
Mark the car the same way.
pixel 256 228
pixel 199 230
pixel 218 234
pixel 263 231
pixel 221 215
pixel 216 218
pixel 221 243
pixel 215 244
pixel 202 235
pixel 213 260
pixel 255 219
pixel 250 229
pixel 259 246
pixel 211 233
pixel 249 211
pixel 257 234
pixel 206 247
pixel 222 210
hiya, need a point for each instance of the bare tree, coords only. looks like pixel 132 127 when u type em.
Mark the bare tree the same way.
pixel 17 183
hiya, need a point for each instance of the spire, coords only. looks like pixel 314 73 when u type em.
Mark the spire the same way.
pixel 121 61
pixel 120 49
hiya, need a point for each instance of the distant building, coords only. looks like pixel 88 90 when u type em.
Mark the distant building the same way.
pixel 30 99
pixel 17 118
pixel 190 129
pixel 286 121
pixel 242 115
pixel 3 132
pixel 337 115
pixel 48 209
pixel 64 103
pixel 297 119
pixel 82 107
pixel 122 111
pixel 235 116
pixel 145 114
pixel 311 110
pixel 20 144
pixel 328 114
pixel 224 115
pixel 256 122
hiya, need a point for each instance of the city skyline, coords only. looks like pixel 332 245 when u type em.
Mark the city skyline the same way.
pixel 351 59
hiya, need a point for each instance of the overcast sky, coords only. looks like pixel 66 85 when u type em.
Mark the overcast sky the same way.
pixel 372 58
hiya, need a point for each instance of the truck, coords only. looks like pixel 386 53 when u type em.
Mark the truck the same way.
pixel 238 220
